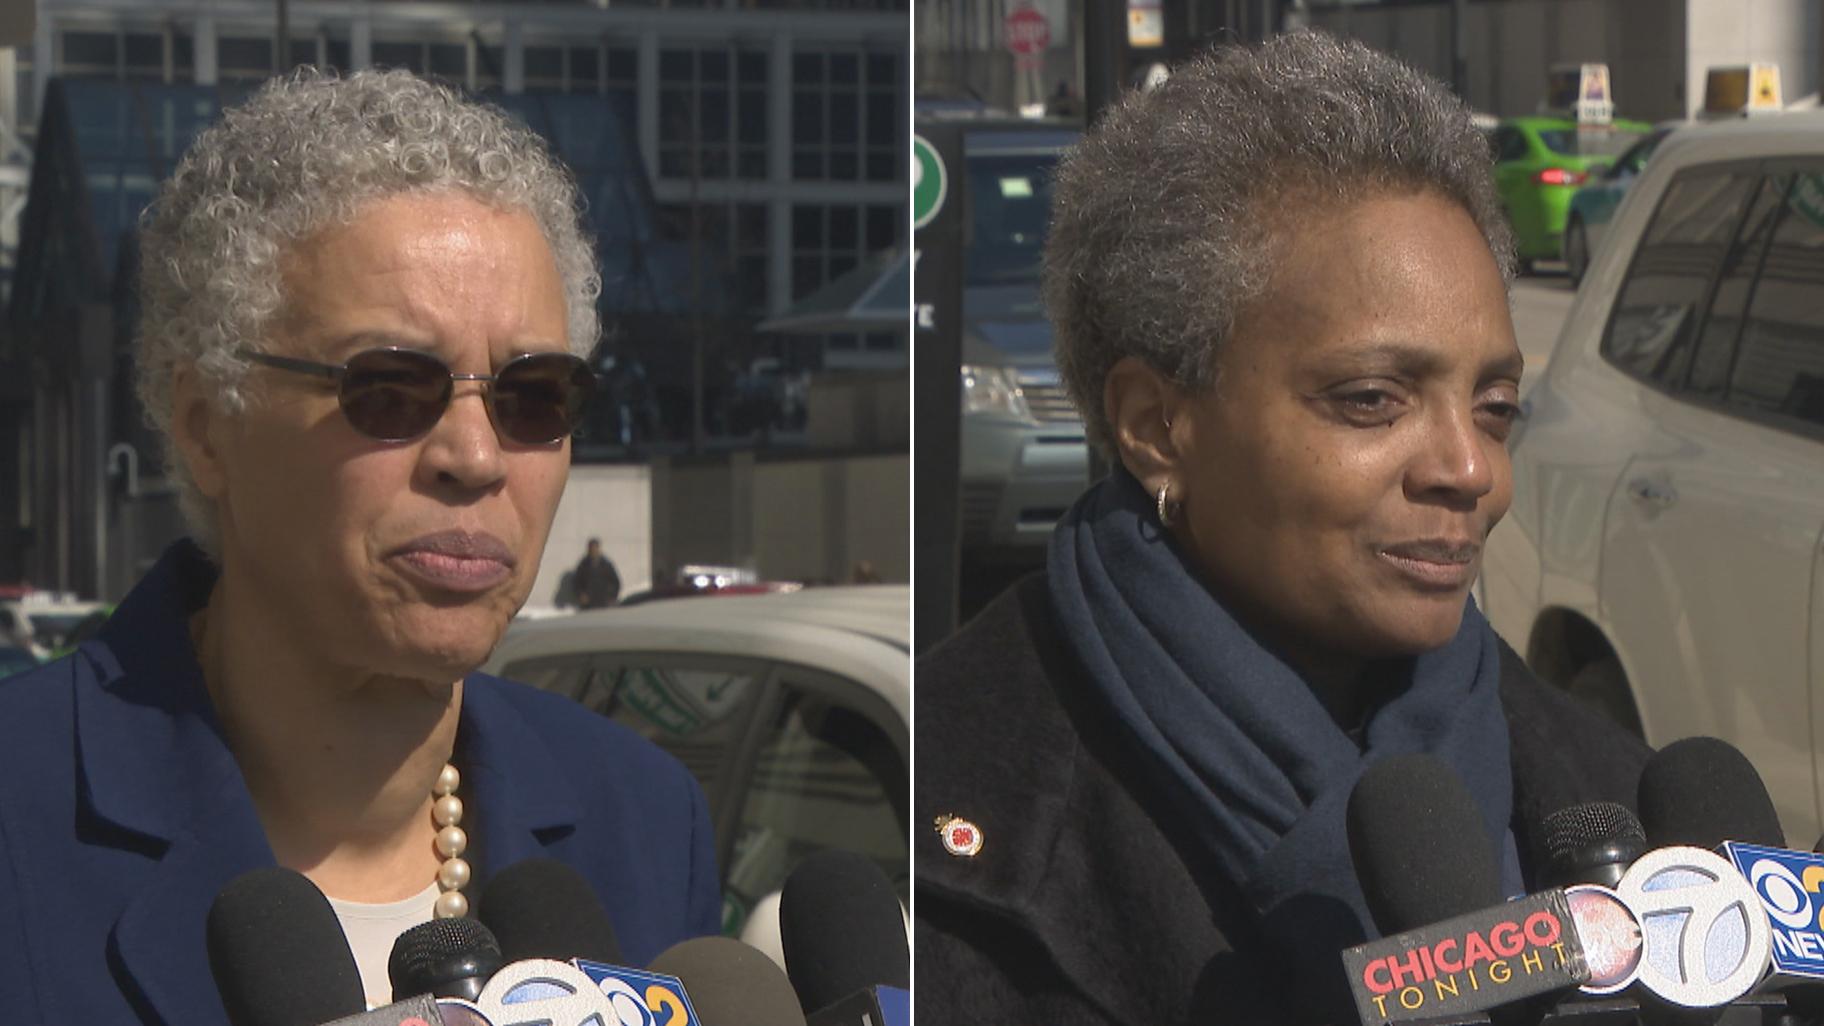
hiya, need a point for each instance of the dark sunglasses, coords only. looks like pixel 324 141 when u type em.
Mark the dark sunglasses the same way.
pixel 396 395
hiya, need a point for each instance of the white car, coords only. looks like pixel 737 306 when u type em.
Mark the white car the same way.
pixel 793 709
pixel 1662 557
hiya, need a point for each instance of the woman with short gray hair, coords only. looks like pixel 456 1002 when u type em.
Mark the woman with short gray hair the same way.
pixel 366 302
pixel 1278 286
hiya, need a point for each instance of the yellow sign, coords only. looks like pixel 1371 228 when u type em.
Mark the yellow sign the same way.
pixel 1765 94
pixel 1743 88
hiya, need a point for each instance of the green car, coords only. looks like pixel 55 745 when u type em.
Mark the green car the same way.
pixel 1540 163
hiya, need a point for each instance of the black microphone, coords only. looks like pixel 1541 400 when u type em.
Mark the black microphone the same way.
pixel 1420 848
pixel 1702 791
pixel 1452 949
pixel 1591 843
pixel 446 958
pixel 841 930
pixel 731 983
pixel 278 953
pixel 541 908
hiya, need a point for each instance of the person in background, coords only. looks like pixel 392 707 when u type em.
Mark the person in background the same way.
pixel 596 582
pixel 365 307
pixel 1279 287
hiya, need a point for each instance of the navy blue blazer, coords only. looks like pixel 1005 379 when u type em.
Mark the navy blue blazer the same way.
pixel 122 815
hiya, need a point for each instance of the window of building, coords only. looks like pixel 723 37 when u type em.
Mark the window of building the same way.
pixel 828 242
pixel 129 54
pixel 847 116
pixel 712 113
pixel 603 69
pixel 90 54
pixel 243 59
pixel 733 238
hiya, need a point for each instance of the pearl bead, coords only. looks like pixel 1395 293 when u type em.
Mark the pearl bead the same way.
pixel 453 875
pixel 446 781
pixel 447 811
pixel 451 905
pixel 451 842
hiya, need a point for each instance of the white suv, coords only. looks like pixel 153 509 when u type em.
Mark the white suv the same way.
pixel 1662 558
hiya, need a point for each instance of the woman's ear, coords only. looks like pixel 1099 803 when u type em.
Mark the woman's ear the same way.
pixel 1142 406
pixel 196 430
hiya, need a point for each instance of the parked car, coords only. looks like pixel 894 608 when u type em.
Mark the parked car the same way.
pixel 15 659
pixel 1592 207
pixel 792 709
pixel 1662 557
pixel 1539 163
pixel 51 624
pixel 1023 458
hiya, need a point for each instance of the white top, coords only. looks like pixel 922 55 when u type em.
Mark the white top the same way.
pixel 371 931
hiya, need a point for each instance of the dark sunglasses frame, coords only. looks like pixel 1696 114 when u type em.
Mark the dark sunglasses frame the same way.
pixel 571 404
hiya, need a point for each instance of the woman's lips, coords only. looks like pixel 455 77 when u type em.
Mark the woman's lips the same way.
pixel 1434 565
pixel 456 561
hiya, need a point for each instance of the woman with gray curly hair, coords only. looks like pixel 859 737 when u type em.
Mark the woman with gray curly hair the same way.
pixel 366 302
pixel 1278 285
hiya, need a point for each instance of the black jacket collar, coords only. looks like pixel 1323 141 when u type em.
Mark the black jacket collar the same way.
pixel 1075 859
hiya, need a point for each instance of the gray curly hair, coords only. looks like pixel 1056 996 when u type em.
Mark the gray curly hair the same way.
pixel 1164 215
pixel 307 152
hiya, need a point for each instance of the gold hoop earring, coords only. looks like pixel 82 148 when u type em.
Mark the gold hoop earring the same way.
pixel 1165 504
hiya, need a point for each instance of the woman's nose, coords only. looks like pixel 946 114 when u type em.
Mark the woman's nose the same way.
pixel 463 448
pixel 1453 459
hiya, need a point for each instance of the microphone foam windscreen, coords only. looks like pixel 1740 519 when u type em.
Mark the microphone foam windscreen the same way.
pixel 426 956
pixel 278 954
pixel 1590 843
pixel 1702 791
pixel 541 908
pixel 730 983
pixel 841 929
pixel 1419 845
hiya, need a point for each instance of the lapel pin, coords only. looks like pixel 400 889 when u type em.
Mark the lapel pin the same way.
pixel 961 837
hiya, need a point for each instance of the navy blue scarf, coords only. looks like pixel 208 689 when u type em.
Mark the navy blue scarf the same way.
pixel 1240 742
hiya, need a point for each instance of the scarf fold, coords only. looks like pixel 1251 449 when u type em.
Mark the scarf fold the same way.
pixel 1240 742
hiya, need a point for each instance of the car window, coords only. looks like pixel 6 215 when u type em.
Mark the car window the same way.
pixel 1635 159
pixel 1510 144
pixel 1009 204
pixel 1735 283
pixel 1574 142
pixel 1653 323
pixel 826 775
pixel 1779 363
pixel 695 707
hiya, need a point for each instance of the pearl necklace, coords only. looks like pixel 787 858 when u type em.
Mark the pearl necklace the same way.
pixel 453 875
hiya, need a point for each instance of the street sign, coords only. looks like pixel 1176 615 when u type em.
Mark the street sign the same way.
pixel 929 182
pixel 1028 33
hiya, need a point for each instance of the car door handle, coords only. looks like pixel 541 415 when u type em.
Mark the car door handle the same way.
pixel 1649 492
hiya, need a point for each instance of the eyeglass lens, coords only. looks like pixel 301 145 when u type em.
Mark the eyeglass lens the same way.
pixel 397 394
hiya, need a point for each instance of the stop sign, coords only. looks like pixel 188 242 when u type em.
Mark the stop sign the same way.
pixel 1028 34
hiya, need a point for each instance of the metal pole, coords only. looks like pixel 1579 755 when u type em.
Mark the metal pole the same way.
pixel 281 50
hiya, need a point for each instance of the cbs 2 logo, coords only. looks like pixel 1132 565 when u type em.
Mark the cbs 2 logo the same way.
pixel 658 1006
pixel 1785 896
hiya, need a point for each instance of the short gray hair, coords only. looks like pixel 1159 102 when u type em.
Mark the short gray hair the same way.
pixel 1163 216
pixel 306 153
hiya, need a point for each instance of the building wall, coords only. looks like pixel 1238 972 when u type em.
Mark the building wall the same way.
pixel 1786 32
pixel 810 519
pixel 613 503
pixel 1511 44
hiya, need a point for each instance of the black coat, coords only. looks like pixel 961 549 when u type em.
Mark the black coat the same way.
pixel 1090 900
